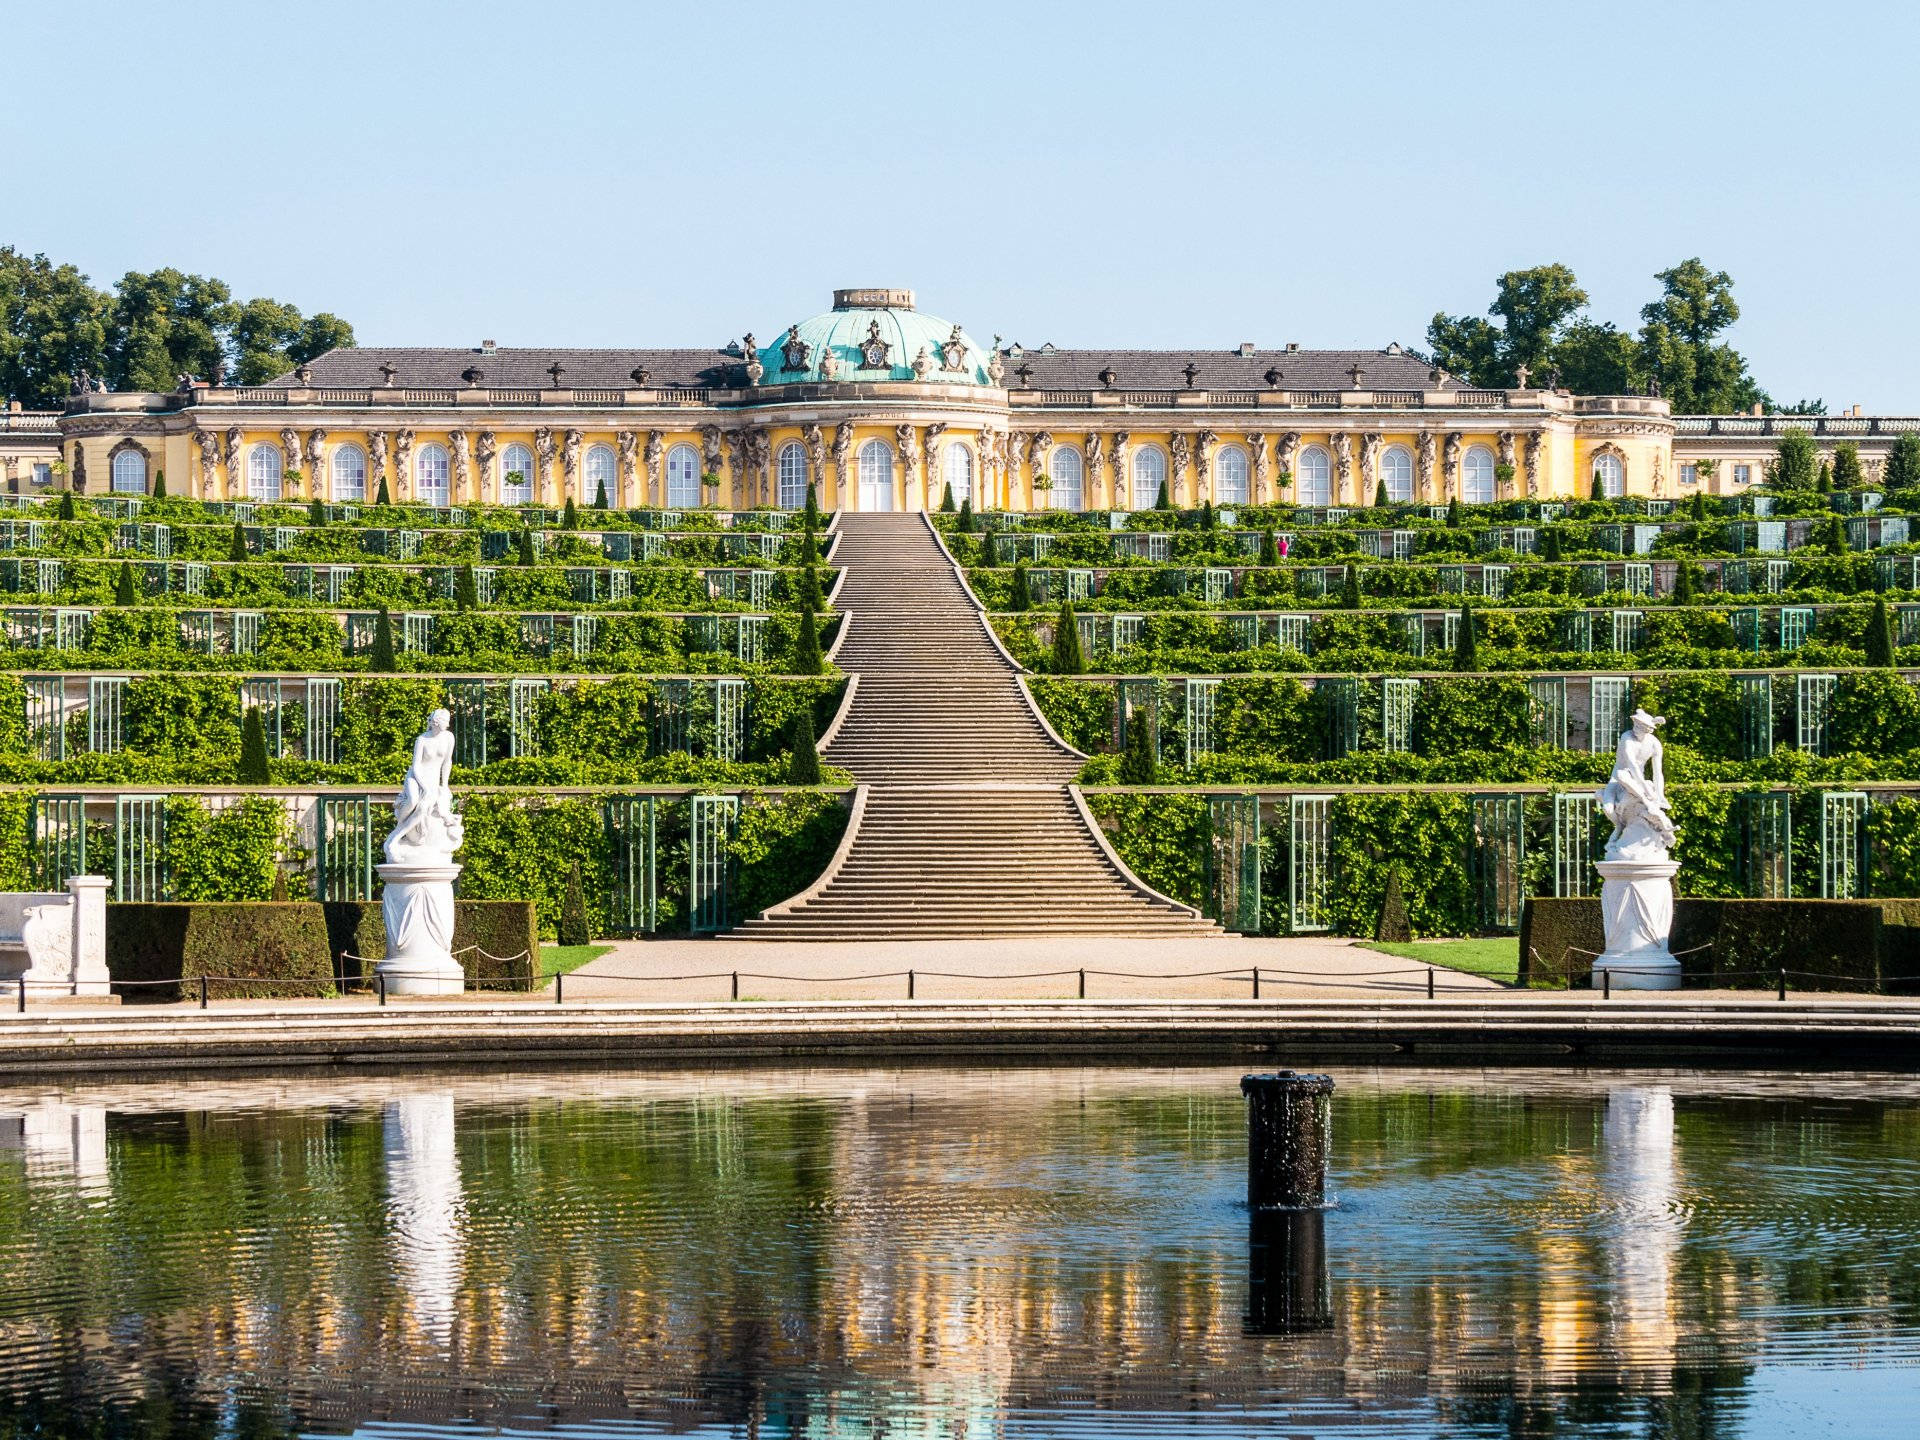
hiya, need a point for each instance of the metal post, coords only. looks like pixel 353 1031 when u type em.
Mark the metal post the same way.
pixel 1606 982
pixel 23 994
pixel 1256 982
pixel 1083 984
pixel 1783 984
pixel 909 984
pixel 380 984
pixel 736 985
pixel 203 992
pixel 559 988
pixel 1429 982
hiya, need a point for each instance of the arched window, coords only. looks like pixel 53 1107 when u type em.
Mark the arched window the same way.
pixel 1476 476
pixel 603 472
pixel 516 475
pixel 876 475
pixel 1149 475
pixel 130 472
pixel 1396 468
pixel 1069 475
pixel 793 475
pixel 349 473
pixel 1230 476
pixel 1613 475
pixel 683 477
pixel 430 474
pixel 956 468
pixel 263 472
pixel 1314 484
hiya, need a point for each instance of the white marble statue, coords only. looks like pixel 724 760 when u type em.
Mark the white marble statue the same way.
pixel 1636 890
pixel 418 901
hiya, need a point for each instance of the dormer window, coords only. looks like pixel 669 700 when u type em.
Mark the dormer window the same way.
pixel 953 354
pixel 794 352
pixel 873 350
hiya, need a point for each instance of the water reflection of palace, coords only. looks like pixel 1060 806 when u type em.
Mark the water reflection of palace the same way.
pixel 822 1251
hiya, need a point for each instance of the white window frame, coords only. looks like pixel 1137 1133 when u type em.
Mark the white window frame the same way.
pixel 43 472
pixel 516 458
pixel 1313 481
pixel 876 473
pixel 1148 458
pixel 1743 474
pixel 129 473
pixel 1690 473
pixel 432 474
pixel 792 472
pixel 1232 472
pixel 956 469
pixel 601 465
pixel 1613 475
pixel 264 472
pixel 347 466
pixel 683 477
pixel 1477 482
pixel 1396 469
pixel 1067 494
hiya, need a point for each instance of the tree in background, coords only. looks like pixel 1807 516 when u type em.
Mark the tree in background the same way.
pixel 53 324
pixel 1531 306
pixel 1796 462
pixel 1903 465
pixel 1680 342
pixel 1847 474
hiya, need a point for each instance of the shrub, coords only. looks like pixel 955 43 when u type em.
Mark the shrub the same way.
pixel 806 650
pixel 572 929
pixel 385 496
pixel 1392 926
pixel 254 765
pixel 1137 764
pixel 946 499
pixel 965 524
pixel 569 516
pixel 466 588
pixel 1879 636
pixel 600 494
pixel 182 942
pixel 1269 549
pixel 1020 597
pixel 1068 657
pixel 1380 494
pixel 1162 501
pixel 237 549
pixel 1466 646
pixel 1350 589
pixel 803 766
pixel 159 484
pixel 523 554
pixel 381 660
pixel 123 591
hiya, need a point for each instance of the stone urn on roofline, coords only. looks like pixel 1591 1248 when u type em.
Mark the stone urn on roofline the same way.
pixel 419 874
pixel 1636 889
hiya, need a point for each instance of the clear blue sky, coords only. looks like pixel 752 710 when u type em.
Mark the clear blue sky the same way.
pixel 1119 174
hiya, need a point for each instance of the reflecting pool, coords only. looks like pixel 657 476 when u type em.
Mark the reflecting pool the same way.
pixel 952 1252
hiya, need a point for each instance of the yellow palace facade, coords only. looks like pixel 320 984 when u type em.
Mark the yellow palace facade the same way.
pixel 879 404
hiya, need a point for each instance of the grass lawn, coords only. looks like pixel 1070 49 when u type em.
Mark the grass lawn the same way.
pixel 564 959
pixel 1495 956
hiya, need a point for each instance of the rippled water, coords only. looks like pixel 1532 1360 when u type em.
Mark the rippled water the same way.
pixel 957 1253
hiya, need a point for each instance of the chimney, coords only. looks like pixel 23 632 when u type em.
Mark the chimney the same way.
pixel 1293 347
pixel 1246 349
pixel 486 347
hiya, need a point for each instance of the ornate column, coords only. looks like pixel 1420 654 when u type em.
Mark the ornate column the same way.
pixel 485 447
pixel 236 465
pixel 459 446
pixel 1203 444
pixel 842 453
pixel 628 444
pixel 656 483
pixel 570 467
pixel 402 473
pixel 1369 468
pixel 1262 466
pixel 1343 468
pixel 1450 466
pixel 1424 448
pixel 1180 447
pixel 1122 488
pixel 316 455
pixel 545 449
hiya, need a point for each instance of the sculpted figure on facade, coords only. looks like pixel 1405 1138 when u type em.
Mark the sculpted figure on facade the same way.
pixel 402 454
pixel 570 462
pixel 1506 441
pixel 1039 447
pixel 316 456
pixel 485 447
pixel 290 449
pixel 545 450
pixel 1095 455
pixel 929 448
pixel 236 462
pixel 627 442
pixel 1117 445
pixel 1535 443
pixel 1342 467
pixel 1284 454
pixel 842 453
pixel 815 441
pixel 1180 451
pixel 655 448
pixel 738 452
pixel 1203 444
pixel 459 449
pixel 1423 449
pixel 209 446
pixel 1369 465
pixel 1450 459
pixel 710 449
pixel 760 457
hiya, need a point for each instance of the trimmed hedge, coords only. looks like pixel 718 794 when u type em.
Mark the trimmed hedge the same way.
pixel 180 942
pixel 506 928
pixel 1741 944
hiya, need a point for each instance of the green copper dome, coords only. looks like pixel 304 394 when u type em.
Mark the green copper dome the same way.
pixel 875 334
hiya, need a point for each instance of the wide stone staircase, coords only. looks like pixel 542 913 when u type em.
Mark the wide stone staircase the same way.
pixel 968 828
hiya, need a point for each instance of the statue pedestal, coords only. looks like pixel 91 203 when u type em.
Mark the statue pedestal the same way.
pixel 1636 900
pixel 418 909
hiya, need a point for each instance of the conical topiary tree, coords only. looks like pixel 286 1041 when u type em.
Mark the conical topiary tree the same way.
pixel 810 515
pixel 316 513
pixel 384 497
pixel 1836 536
pixel 1550 543
pixel 1599 488
pixel 1206 514
pixel 806 647
pixel 159 484
pixel 1350 589
pixel 381 660
pixel 600 493
pixel 1380 499
pixel 946 498
pixel 1163 501
pixel 803 765
pixel 965 523
pixel 525 555
pixel 1021 597
pixel 1068 657
pixel 569 516
pixel 123 591
pixel 572 928
pixel 1137 765
pixel 1466 645
pixel 1879 636
pixel 1453 512
pixel 810 597
pixel 1685 584
pixel 466 589
pixel 67 510
pixel 237 546
pixel 254 767
pixel 1269 548
pixel 1391 926
pixel 1697 511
